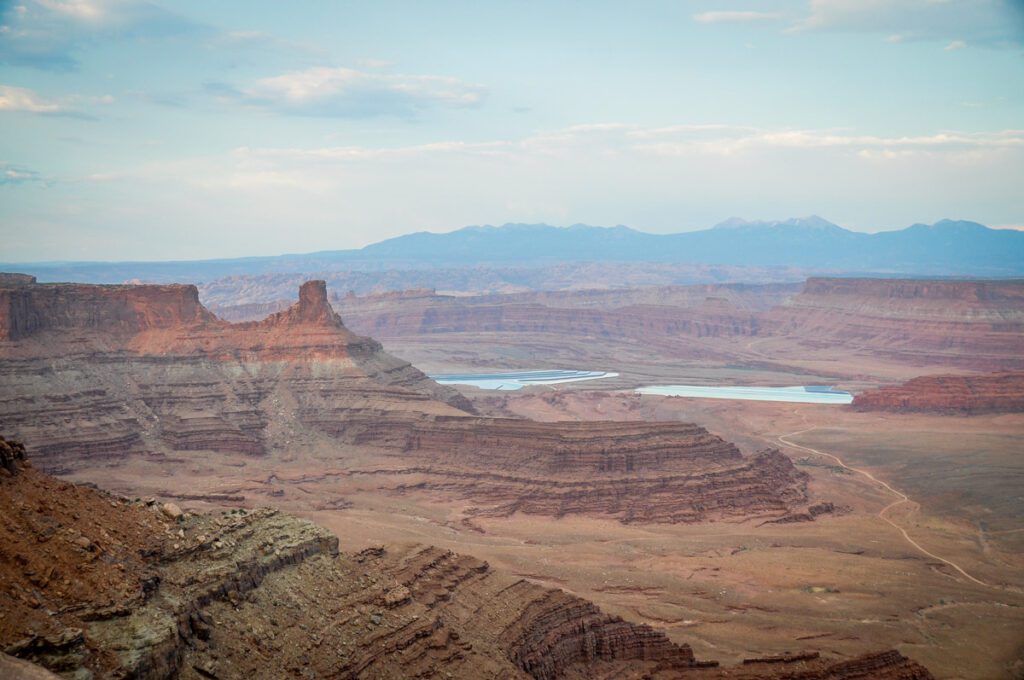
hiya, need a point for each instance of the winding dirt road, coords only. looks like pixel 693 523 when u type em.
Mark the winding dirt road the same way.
pixel 901 498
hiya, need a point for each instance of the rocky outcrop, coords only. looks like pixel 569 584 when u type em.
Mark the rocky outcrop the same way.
pixel 962 324
pixel 100 586
pixel 557 631
pixel 949 395
pixel 16 669
pixel 227 594
pixel 14 279
pixel 11 453
pixel 155 390
pixel 970 324
pixel 27 310
pixel 635 472
pixel 147 369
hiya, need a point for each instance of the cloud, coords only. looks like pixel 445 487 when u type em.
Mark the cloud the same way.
pixel 13 174
pixel 728 140
pixel 994 23
pixel 248 44
pixel 658 178
pixel 735 17
pixel 50 34
pixel 617 139
pixel 23 100
pixel 955 45
pixel 349 93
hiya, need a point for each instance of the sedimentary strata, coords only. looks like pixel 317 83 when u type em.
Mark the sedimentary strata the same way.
pixel 970 324
pixel 100 586
pixel 976 325
pixel 949 394
pixel 652 314
pixel 633 471
pixel 101 375
pixel 107 372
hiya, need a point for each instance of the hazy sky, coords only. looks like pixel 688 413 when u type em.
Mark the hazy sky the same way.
pixel 145 130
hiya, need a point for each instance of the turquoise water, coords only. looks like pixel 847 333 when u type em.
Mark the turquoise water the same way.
pixel 811 394
pixel 517 380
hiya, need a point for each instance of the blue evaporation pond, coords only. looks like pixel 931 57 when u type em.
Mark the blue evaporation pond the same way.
pixel 517 380
pixel 811 394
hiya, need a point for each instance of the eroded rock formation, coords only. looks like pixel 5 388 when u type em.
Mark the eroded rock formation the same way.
pixel 973 324
pixel 949 394
pixel 139 369
pixel 104 375
pixel 665 316
pixel 93 583
pixel 976 325
pixel 634 471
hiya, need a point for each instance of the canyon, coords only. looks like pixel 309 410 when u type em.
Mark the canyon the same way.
pixel 629 534
pixel 147 373
pixel 844 328
pixel 103 586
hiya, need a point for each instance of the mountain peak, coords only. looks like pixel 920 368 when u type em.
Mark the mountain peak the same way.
pixel 811 222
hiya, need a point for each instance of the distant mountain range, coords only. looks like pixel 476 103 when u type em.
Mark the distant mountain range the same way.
pixel 946 248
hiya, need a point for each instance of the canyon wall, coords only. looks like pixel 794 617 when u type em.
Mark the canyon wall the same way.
pixel 949 394
pixel 101 586
pixel 147 369
pixel 969 324
pixel 662 315
pixel 103 376
pixel 976 325
pixel 632 471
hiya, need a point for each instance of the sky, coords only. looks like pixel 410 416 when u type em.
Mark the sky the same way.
pixel 196 129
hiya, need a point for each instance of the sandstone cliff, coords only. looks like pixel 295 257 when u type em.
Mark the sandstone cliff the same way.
pixel 633 471
pixel 961 324
pixel 662 316
pixel 99 586
pixel 103 376
pixel 970 324
pixel 949 394
pixel 148 368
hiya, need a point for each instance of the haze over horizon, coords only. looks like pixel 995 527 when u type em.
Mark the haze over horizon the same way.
pixel 145 131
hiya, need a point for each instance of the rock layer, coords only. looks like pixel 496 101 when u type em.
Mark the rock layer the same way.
pixel 140 369
pixel 98 377
pixel 949 394
pixel 633 471
pixel 263 595
pixel 970 324
pixel 976 325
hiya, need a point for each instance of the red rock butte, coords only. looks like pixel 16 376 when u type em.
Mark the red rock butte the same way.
pixel 949 394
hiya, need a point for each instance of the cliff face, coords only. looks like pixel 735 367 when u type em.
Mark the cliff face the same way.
pixel 145 591
pixel 971 324
pixel 27 309
pixel 977 325
pixel 147 369
pixel 117 588
pixel 659 315
pixel 632 471
pixel 170 379
pixel 949 394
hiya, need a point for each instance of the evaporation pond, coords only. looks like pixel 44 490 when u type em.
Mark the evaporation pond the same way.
pixel 811 394
pixel 516 380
